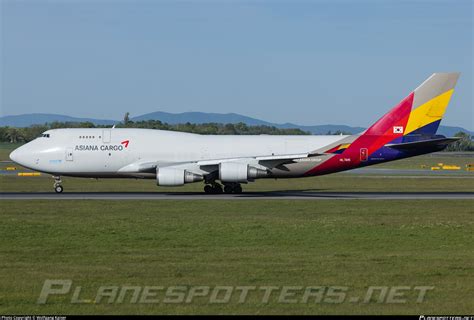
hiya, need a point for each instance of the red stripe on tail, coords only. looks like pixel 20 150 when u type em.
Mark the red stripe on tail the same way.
pixel 380 133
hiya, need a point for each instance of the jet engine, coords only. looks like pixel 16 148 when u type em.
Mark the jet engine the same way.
pixel 239 172
pixel 175 177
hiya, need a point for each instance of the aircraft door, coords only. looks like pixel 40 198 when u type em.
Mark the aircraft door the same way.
pixel 106 136
pixel 69 154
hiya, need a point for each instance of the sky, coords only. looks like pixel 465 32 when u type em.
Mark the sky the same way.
pixel 305 62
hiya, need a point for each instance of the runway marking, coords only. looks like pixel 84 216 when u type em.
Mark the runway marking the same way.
pixel 279 195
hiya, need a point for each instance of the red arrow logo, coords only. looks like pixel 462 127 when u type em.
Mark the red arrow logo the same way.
pixel 125 143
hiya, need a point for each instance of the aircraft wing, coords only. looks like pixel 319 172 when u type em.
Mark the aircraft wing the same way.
pixel 198 166
pixel 285 158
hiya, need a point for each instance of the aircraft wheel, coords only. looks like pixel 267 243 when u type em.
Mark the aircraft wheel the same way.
pixel 58 188
pixel 238 189
pixel 217 189
pixel 228 189
pixel 208 189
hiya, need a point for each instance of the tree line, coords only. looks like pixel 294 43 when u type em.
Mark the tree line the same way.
pixel 463 144
pixel 26 134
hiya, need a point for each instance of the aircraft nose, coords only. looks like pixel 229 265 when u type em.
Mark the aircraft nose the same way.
pixel 21 156
pixel 14 156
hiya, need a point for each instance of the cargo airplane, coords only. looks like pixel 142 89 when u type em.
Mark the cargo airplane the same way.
pixel 224 162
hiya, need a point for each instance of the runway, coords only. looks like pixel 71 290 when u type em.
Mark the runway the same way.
pixel 277 195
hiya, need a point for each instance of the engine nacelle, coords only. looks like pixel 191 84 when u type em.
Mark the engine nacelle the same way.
pixel 175 177
pixel 239 172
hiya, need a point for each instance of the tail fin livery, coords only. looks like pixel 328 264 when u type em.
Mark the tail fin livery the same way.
pixel 406 130
pixel 421 111
pixel 430 102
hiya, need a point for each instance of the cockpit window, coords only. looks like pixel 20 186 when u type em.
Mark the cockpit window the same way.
pixel 44 135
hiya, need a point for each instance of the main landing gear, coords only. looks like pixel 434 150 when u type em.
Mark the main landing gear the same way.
pixel 216 188
pixel 213 188
pixel 233 188
pixel 58 188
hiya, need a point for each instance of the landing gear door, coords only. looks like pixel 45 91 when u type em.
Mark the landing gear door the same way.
pixel 106 136
pixel 69 154
pixel 364 154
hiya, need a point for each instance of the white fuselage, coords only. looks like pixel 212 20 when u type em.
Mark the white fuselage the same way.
pixel 106 152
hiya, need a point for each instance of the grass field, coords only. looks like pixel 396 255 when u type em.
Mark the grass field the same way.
pixel 350 243
pixel 258 243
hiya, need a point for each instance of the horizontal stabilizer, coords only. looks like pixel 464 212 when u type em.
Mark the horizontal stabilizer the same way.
pixel 438 143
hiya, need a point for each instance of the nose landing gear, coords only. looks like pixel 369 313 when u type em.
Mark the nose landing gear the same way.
pixel 58 188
